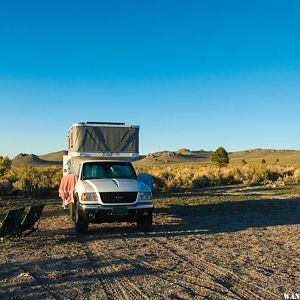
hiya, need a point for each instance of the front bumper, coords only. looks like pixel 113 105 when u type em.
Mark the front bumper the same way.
pixel 97 213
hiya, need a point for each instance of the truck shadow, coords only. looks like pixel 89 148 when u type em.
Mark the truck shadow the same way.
pixel 182 220
pixel 222 190
pixel 234 216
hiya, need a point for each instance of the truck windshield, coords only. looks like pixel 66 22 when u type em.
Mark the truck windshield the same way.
pixel 101 170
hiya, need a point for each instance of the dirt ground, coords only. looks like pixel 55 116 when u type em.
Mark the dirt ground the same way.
pixel 245 248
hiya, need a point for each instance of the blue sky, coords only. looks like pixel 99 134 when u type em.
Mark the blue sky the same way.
pixel 195 74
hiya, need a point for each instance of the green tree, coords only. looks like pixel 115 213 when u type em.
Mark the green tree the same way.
pixel 263 161
pixel 220 157
pixel 5 164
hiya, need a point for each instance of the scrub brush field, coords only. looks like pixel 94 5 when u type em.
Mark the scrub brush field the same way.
pixel 232 242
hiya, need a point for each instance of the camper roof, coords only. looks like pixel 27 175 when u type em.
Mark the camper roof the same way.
pixel 103 139
pixel 102 124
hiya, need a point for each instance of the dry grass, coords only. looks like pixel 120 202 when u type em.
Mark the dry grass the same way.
pixel 179 177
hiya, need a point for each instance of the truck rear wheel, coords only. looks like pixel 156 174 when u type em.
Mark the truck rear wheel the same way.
pixel 81 225
pixel 145 223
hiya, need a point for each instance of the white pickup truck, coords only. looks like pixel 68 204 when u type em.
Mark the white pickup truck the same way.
pixel 109 191
pixel 107 188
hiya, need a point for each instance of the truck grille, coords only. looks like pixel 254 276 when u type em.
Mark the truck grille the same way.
pixel 118 197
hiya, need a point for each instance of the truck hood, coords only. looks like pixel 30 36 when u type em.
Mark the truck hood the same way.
pixel 114 185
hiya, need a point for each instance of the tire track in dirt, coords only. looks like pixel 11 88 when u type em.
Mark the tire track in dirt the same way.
pixel 219 274
pixel 128 260
pixel 22 289
pixel 112 289
pixel 203 286
pixel 120 288
pixel 42 283
pixel 60 288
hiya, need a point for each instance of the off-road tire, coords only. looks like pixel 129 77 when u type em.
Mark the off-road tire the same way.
pixel 145 223
pixel 81 225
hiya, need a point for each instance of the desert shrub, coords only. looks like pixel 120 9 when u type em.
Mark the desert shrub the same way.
pixel 167 176
pixel 292 179
pixel 273 175
pixel 237 175
pixel 255 175
pixel 28 180
pixel 11 175
pixel 33 181
pixel 158 184
pixel 5 164
pixel 289 180
pixel 256 179
pixel 200 181
pixel 5 187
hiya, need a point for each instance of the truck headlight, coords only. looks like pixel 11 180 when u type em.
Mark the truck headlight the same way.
pixel 144 196
pixel 89 197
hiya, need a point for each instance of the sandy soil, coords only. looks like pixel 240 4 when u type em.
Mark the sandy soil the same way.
pixel 248 254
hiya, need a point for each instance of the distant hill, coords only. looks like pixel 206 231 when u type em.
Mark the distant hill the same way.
pixel 179 156
pixel 50 159
pixel 54 156
pixel 285 157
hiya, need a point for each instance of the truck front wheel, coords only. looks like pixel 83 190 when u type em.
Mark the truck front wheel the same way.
pixel 81 225
pixel 145 223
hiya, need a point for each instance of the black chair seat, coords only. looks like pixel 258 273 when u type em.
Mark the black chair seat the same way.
pixel 11 222
pixel 30 219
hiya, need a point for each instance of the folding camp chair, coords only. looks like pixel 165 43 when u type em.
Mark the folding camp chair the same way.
pixel 11 222
pixel 30 219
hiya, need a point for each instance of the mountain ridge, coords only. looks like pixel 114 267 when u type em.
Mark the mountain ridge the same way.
pixel 182 155
pixel 49 159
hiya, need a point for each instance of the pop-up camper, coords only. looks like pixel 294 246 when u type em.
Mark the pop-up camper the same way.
pixel 98 140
